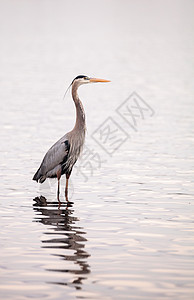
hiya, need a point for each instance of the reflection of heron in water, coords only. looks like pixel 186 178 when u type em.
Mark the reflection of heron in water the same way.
pixel 71 236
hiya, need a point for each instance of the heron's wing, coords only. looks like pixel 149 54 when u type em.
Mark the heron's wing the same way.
pixel 56 155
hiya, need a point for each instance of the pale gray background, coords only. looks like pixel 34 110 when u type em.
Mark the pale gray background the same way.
pixel 133 217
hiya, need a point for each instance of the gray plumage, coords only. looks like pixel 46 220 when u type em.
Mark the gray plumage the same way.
pixel 62 156
pixel 53 160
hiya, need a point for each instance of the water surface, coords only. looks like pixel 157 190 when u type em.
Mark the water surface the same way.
pixel 128 231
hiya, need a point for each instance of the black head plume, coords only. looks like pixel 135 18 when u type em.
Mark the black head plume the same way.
pixel 79 77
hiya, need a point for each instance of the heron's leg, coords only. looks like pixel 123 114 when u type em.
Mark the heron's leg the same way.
pixel 66 186
pixel 58 189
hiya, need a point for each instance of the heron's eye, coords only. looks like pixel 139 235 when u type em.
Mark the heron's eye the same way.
pixel 86 78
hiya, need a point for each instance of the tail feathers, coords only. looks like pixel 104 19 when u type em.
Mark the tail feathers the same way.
pixel 42 179
pixel 39 177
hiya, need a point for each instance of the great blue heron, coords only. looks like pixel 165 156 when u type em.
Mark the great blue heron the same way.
pixel 62 156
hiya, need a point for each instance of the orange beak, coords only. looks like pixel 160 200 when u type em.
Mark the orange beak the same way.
pixel 98 80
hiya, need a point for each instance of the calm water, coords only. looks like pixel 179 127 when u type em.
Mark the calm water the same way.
pixel 128 233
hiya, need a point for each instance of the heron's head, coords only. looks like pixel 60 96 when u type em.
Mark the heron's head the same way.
pixel 82 79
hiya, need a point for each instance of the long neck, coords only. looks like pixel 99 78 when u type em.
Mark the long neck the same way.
pixel 80 123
